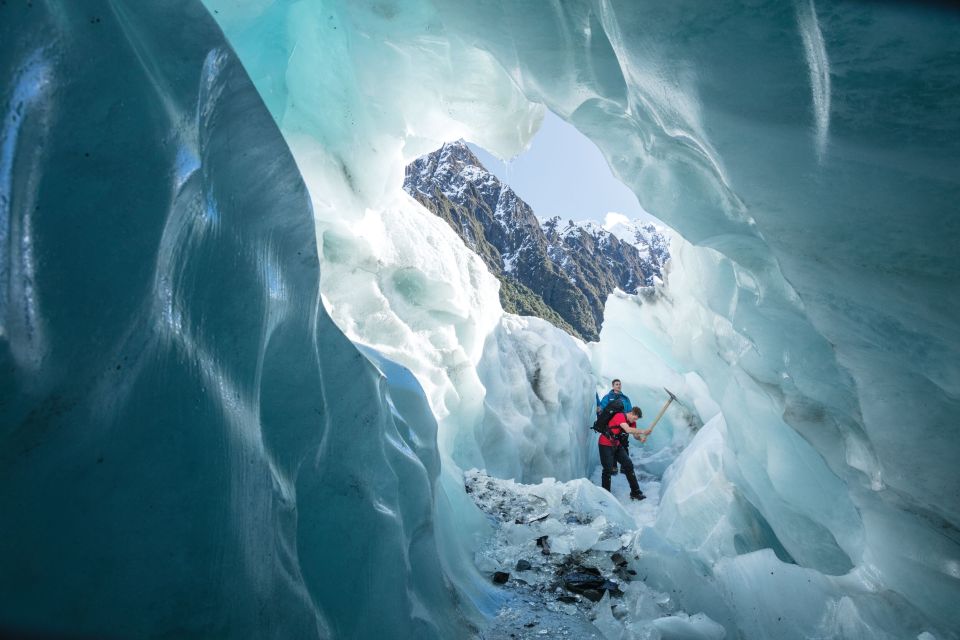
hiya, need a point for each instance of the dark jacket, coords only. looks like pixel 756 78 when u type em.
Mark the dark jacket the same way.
pixel 605 400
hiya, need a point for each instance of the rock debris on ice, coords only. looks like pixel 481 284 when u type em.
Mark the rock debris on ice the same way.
pixel 562 552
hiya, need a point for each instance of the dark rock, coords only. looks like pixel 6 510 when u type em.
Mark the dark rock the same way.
pixel 501 577
pixel 618 559
pixel 567 599
pixel 544 545
pixel 593 595
pixel 523 565
pixel 588 581
pixel 582 579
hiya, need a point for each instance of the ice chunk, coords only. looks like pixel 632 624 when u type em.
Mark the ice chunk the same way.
pixel 610 544
pixel 679 626
pixel 535 409
pixel 682 627
pixel 585 537
pixel 609 626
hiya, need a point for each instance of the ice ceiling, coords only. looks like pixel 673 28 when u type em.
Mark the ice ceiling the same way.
pixel 162 330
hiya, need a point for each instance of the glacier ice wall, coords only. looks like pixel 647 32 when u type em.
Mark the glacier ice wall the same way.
pixel 750 498
pixel 537 403
pixel 810 145
pixel 396 277
pixel 189 447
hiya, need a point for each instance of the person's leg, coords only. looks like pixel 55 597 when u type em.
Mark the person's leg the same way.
pixel 608 461
pixel 626 465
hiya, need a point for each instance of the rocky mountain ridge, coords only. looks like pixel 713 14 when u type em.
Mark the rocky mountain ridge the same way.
pixel 560 272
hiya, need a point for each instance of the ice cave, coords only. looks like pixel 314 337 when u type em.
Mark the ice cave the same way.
pixel 250 388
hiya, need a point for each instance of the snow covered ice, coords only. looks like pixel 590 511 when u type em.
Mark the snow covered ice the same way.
pixel 192 250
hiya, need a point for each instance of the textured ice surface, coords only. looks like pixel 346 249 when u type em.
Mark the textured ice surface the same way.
pixel 808 144
pixel 537 405
pixel 148 212
pixel 189 447
pixel 508 393
pixel 750 511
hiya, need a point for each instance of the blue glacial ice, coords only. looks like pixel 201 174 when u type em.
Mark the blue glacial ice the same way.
pixel 190 448
pixel 182 287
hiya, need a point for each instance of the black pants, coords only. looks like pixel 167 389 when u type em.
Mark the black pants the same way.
pixel 609 457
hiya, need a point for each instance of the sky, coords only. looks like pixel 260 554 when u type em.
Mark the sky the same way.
pixel 563 174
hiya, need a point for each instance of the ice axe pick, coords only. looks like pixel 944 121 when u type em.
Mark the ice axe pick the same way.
pixel 663 410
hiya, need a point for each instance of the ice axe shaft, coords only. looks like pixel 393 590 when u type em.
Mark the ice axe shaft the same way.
pixel 663 410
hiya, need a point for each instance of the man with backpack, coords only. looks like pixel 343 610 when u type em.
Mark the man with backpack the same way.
pixel 616 425
pixel 615 393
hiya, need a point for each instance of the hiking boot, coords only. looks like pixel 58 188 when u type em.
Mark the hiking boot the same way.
pixel 637 495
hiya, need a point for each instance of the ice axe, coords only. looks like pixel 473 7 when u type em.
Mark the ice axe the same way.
pixel 662 411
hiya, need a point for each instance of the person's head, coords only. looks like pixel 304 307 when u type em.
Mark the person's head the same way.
pixel 616 385
pixel 634 414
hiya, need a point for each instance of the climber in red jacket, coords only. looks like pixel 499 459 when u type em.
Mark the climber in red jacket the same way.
pixel 613 450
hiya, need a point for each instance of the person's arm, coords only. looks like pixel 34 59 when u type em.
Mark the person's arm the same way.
pixel 626 403
pixel 641 434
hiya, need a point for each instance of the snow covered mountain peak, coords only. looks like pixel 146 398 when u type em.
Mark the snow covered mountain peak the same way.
pixel 561 272
pixel 649 239
pixel 645 235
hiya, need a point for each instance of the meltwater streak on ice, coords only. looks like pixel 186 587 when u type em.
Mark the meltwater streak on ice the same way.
pixel 816 53
pixel 20 322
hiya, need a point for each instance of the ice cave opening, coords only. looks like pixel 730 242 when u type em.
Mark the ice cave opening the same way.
pixel 250 387
pixel 772 323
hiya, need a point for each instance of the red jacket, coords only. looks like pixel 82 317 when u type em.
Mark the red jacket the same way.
pixel 614 424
